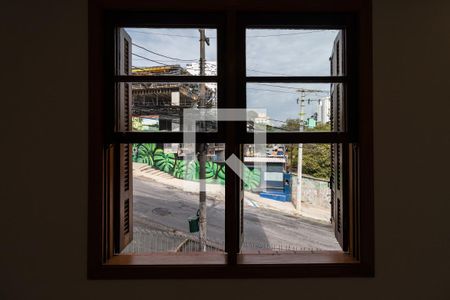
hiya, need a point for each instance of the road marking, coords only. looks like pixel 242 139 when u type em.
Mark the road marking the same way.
pixel 251 203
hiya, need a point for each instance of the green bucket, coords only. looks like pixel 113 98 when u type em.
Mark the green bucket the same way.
pixel 194 222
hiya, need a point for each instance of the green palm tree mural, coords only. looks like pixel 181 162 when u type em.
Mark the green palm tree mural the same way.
pixel 193 170
pixel 252 178
pixel 143 153
pixel 168 162
pixel 211 169
pixel 164 161
pixel 221 174
pixel 179 171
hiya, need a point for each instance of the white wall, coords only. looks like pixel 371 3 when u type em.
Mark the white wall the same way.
pixel 44 163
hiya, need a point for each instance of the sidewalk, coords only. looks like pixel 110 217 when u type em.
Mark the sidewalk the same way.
pixel 217 192
pixel 307 211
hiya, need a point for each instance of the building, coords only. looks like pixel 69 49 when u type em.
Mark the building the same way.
pixel 324 110
pixel 159 106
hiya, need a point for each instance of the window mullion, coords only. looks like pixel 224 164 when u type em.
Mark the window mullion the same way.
pixel 232 194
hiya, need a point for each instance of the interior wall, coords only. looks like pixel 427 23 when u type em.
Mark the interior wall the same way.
pixel 44 163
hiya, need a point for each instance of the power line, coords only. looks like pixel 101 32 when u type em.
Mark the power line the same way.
pixel 264 72
pixel 278 86
pixel 169 34
pixel 291 87
pixel 155 61
pixel 161 61
pixel 213 37
pixel 284 34
pixel 273 91
pixel 159 54
pixel 212 64
pixel 283 92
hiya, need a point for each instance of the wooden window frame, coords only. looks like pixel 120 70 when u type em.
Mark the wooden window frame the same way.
pixel 357 141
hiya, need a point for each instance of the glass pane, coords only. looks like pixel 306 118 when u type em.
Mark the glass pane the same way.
pixel 170 51
pixel 278 216
pixel 159 107
pixel 293 52
pixel 287 107
pixel 167 203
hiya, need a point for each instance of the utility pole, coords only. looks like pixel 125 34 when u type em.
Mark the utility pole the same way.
pixel 300 152
pixel 202 148
pixel 301 101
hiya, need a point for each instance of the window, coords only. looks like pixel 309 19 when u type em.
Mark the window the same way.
pixel 139 97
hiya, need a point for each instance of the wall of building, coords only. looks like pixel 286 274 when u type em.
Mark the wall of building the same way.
pixel 44 166
pixel 316 192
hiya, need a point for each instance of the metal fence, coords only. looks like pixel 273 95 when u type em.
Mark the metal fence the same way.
pixel 153 241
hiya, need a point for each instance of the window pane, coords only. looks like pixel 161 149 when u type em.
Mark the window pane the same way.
pixel 274 217
pixel 159 107
pixel 167 202
pixel 169 51
pixel 285 107
pixel 293 52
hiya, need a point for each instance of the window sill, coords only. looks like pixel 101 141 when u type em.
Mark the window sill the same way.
pixel 213 265
pixel 274 258
pixel 169 259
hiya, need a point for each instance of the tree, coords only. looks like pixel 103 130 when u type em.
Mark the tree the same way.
pixel 316 157
pixel 292 125
pixel 317 160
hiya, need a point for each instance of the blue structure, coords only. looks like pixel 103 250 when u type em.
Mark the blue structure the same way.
pixel 278 183
pixel 284 194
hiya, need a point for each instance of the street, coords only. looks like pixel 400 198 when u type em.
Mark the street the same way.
pixel 161 215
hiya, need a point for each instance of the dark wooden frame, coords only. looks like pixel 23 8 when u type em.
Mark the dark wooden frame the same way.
pixel 354 14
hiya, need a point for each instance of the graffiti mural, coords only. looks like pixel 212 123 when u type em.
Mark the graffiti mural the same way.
pixel 176 166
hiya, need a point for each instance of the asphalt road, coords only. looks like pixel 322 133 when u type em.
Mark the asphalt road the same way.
pixel 161 215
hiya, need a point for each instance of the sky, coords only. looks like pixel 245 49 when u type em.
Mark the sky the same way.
pixel 269 52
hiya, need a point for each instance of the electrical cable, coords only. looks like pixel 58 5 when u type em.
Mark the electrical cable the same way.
pixel 295 88
pixel 284 34
pixel 250 36
pixel 162 55
pixel 169 34
pixel 155 61
pixel 274 91
pixel 264 72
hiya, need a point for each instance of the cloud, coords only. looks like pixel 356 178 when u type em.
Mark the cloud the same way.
pixel 290 52
pixel 176 43
pixel 284 51
pixel 281 102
